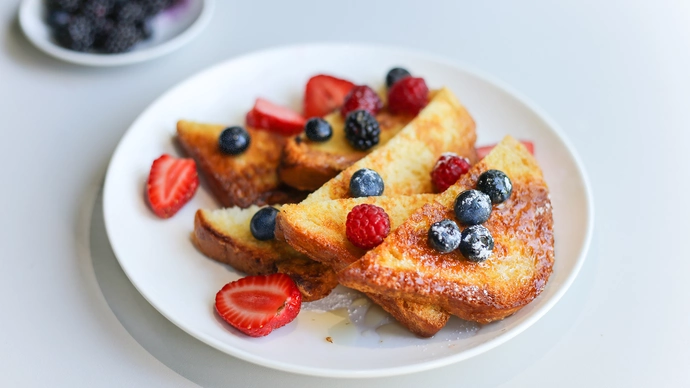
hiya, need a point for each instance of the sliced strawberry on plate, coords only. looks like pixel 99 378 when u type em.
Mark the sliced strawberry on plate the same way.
pixel 483 151
pixel 256 305
pixel 324 94
pixel 172 183
pixel 275 118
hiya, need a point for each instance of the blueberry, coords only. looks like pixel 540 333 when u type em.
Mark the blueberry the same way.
pixel 263 224
pixel 476 243
pixel 472 207
pixel 496 185
pixel 396 74
pixel 362 130
pixel 318 129
pixel 366 183
pixel 234 140
pixel 444 236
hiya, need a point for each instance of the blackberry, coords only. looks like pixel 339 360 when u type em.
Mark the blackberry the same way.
pixel 58 18
pixel 68 6
pixel 153 7
pixel 97 9
pixel 104 27
pixel 79 34
pixel 396 74
pixel 318 129
pixel 362 130
pixel 263 224
pixel 130 13
pixel 121 38
pixel 145 28
pixel 444 236
pixel 472 207
pixel 234 140
pixel 366 183
pixel 496 185
pixel 476 243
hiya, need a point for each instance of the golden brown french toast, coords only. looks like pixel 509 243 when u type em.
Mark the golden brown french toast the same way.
pixel 404 163
pixel 224 236
pixel 307 165
pixel 405 266
pixel 318 229
pixel 242 180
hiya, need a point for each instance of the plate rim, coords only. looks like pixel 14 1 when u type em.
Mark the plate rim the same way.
pixel 109 60
pixel 424 365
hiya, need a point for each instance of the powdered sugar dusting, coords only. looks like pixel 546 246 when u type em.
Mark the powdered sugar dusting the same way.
pixel 480 242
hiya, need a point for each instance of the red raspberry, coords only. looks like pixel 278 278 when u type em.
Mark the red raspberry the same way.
pixel 448 170
pixel 367 226
pixel 409 95
pixel 362 97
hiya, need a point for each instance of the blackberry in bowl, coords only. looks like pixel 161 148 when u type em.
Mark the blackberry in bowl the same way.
pixel 102 26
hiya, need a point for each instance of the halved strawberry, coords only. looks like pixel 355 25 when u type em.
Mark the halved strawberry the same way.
pixel 275 118
pixel 172 183
pixel 483 151
pixel 324 94
pixel 256 305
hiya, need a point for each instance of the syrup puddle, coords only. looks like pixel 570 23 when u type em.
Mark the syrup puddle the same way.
pixel 349 318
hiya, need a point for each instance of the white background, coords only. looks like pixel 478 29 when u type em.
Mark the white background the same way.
pixel 615 75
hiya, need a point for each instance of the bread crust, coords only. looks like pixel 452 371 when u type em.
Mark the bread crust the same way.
pixel 222 247
pixel 313 279
pixel 306 165
pixel 250 178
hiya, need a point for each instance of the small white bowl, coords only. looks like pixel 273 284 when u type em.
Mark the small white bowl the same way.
pixel 173 28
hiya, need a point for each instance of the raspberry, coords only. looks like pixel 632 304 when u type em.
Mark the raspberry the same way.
pixel 367 226
pixel 361 97
pixel 448 170
pixel 409 95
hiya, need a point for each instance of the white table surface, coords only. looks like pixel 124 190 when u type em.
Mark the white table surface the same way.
pixel 615 75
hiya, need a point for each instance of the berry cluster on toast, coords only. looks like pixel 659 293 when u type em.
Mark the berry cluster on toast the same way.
pixel 405 266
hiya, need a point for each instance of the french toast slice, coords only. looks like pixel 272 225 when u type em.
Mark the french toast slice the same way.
pixel 224 236
pixel 307 165
pixel 404 266
pixel 404 163
pixel 242 180
pixel 318 229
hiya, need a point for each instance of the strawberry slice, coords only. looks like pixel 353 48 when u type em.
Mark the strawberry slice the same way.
pixel 172 183
pixel 324 94
pixel 275 118
pixel 256 305
pixel 483 151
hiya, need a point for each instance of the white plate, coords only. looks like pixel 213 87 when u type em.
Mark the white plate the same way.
pixel 173 28
pixel 181 283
